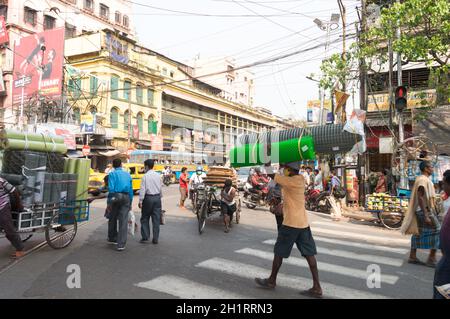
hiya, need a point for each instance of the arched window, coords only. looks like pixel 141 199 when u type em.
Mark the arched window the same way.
pixel 114 118
pixel 126 120
pixel 140 122
pixel 152 125
pixel 126 21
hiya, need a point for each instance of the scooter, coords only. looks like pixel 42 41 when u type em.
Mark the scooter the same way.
pixel 252 198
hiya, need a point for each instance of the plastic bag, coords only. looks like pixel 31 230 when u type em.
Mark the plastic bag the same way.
pixel 132 225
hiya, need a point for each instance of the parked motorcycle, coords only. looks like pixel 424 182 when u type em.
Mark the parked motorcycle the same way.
pixel 317 201
pixel 253 198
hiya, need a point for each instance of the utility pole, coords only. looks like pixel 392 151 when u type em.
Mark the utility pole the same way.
pixel 362 167
pixel 401 132
pixel 390 84
pixel 344 58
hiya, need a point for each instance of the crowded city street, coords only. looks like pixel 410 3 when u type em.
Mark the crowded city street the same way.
pixel 215 264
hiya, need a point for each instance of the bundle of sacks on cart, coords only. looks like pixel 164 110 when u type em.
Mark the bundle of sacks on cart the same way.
pixel 37 166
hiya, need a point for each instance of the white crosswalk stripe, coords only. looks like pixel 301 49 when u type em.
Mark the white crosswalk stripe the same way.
pixel 351 255
pixel 366 229
pixel 294 282
pixel 187 289
pixel 359 236
pixel 301 262
pixel 336 241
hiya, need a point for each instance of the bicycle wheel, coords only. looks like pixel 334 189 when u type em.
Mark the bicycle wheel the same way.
pixel 61 230
pixel 391 220
pixel 201 216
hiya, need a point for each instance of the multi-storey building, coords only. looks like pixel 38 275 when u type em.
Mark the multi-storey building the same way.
pixel 381 117
pixel 26 17
pixel 236 85
pixel 140 95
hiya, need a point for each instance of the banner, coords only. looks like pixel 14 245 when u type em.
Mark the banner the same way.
pixel 87 123
pixel 341 99
pixel 416 99
pixel 38 65
pixel 4 38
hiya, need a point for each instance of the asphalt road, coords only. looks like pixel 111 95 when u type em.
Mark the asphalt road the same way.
pixel 215 265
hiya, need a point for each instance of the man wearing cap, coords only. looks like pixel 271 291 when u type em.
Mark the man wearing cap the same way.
pixel 195 180
pixel 295 229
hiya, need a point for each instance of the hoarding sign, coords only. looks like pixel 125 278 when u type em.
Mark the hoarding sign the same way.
pixel 87 125
pixel 416 99
pixel 38 65
pixel 4 38
pixel 117 50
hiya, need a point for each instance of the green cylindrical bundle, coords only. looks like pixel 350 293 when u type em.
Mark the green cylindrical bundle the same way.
pixel 48 146
pixel 287 151
pixel 82 170
pixel 17 135
pixel 293 150
pixel 248 155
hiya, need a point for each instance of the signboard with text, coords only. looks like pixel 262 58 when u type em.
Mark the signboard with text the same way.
pixel 380 102
pixel 38 65
pixel 87 123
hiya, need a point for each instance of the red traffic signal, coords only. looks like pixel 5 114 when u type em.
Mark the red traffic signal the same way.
pixel 401 103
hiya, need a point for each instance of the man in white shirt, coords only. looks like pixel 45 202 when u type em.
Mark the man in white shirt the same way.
pixel 150 202
pixel 195 180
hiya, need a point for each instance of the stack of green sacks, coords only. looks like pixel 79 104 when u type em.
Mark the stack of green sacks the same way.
pixel 81 167
pixel 292 150
pixel 15 140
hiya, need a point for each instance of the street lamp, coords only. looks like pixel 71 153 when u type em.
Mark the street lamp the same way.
pixel 327 26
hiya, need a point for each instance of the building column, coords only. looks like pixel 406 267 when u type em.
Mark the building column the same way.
pixel 158 102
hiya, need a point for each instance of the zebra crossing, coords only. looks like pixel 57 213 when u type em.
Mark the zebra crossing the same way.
pixel 343 260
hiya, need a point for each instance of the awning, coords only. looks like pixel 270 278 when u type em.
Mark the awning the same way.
pixel 144 143
pixel 110 153
pixel 74 154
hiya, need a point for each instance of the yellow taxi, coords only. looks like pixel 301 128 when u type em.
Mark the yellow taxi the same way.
pixel 96 182
pixel 137 172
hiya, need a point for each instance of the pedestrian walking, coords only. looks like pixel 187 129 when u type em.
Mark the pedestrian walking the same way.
pixel 6 222
pixel 274 198
pixel 120 198
pixel 150 202
pixel 318 180
pixel 295 229
pixel 420 220
pixel 337 194
pixel 184 182
pixel 442 274
pixel 228 203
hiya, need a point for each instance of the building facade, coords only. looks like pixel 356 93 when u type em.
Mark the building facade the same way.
pixel 236 85
pixel 26 17
pixel 145 100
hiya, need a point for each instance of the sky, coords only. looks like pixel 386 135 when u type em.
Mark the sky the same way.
pixel 250 31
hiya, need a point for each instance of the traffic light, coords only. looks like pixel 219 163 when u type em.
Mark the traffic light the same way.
pixel 401 102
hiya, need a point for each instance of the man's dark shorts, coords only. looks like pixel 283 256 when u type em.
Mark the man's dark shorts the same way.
pixel 302 237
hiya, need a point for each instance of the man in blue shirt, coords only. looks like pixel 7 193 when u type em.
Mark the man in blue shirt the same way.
pixel 120 198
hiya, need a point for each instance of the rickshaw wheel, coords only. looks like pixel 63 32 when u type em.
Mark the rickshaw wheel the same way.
pixel 391 220
pixel 61 230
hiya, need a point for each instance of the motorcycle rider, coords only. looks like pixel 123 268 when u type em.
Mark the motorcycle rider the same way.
pixel 259 184
pixel 167 173
pixel 195 180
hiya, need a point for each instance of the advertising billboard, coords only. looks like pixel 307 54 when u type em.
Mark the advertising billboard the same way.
pixel 4 38
pixel 38 65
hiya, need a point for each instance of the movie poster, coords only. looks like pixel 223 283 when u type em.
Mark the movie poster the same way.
pixel 38 65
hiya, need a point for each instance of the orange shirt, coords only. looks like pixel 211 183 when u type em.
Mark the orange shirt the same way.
pixel 293 190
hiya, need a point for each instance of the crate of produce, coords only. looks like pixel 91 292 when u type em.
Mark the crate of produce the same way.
pixel 379 202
